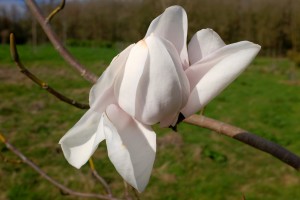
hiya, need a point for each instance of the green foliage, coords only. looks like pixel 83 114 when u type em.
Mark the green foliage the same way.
pixel 192 164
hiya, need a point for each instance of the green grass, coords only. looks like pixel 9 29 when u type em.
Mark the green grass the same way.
pixel 193 164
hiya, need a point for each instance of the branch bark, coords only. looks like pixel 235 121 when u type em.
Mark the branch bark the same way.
pixel 41 83
pixel 99 178
pixel 248 138
pixel 65 190
pixel 58 45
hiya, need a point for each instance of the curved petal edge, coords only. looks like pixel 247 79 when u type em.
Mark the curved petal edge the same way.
pixel 219 77
pixel 81 141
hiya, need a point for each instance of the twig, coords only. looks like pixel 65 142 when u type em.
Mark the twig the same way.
pixel 44 85
pixel 126 192
pixel 55 11
pixel 99 178
pixel 248 138
pixel 63 188
pixel 135 193
pixel 57 43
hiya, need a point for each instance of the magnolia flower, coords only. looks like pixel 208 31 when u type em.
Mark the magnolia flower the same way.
pixel 150 82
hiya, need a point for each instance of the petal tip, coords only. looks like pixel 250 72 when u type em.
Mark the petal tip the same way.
pixel 175 7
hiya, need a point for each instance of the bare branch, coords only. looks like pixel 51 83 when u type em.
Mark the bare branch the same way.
pixel 63 188
pixel 126 192
pixel 58 44
pixel 130 193
pixel 42 84
pixel 248 138
pixel 99 178
pixel 55 11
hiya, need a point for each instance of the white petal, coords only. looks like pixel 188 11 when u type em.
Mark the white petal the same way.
pixel 80 142
pixel 131 147
pixel 220 76
pixel 172 25
pixel 102 94
pixel 203 43
pixel 126 84
pixel 153 85
pixel 197 71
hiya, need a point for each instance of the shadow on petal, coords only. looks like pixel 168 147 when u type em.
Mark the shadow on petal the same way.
pixel 131 147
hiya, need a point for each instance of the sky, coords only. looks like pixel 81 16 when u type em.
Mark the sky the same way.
pixel 8 4
pixel 19 4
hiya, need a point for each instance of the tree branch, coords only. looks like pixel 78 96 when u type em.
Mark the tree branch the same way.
pixel 42 84
pixel 57 43
pixel 64 189
pixel 55 11
pixel 248 138
pixel 99 178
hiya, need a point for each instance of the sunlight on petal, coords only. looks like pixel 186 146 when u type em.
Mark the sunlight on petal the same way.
pixel 172 25
pixel 80 142
pixel 219 77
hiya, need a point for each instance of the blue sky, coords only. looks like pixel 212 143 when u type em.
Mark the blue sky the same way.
pixel 11 2
pixel 7 4
pixel 20 4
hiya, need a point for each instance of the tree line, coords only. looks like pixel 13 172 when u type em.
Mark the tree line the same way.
pixel 273 24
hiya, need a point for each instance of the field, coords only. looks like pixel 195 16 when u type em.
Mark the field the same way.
pixel 194 163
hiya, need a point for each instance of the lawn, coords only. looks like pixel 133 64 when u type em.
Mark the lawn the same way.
pixel 193 163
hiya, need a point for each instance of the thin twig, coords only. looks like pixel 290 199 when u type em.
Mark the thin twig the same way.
pixel 248 138
pixel 136 195
pixel 126 191
pixel 42 84
pixel 58 44
pixel 64 189
pixel 99 178
pixel 55 11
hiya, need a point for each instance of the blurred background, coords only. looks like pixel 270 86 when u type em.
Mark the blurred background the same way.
pixel 274 25
pixel 192 163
